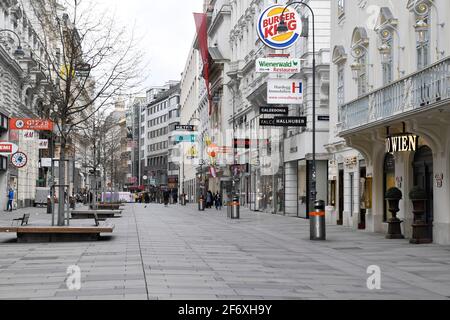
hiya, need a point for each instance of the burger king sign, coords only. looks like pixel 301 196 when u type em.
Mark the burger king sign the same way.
pixel 268 27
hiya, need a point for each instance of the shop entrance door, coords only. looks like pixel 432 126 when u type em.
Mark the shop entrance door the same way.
pixel 362 211
pixel 341 198
pixel 423 177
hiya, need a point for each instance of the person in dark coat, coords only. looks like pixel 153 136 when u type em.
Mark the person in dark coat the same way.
pixel 209 200
pixel 218 201
pixel 166 196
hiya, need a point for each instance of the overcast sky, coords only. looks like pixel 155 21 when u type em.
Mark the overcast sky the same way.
pixel 167 30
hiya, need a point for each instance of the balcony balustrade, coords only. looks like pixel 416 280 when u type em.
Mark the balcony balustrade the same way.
pixel 422 90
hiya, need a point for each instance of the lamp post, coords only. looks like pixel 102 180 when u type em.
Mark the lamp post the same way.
pixel 18 53
pixel 283 28
pixel 201 162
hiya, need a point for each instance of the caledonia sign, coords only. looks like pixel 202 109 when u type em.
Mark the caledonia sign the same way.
pixel 268 27
pixel 402 143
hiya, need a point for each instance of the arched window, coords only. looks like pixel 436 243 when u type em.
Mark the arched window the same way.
pixel 422 12
pixel 339 59
pixel 360 44
pixel 385 27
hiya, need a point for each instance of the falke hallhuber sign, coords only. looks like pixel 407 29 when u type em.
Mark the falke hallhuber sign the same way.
pixel 284 122
pixel 278 65
pixel 402 143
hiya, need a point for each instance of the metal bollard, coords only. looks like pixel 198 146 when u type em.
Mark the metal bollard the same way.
pixel 49 206
pixel 235 209
pixel 317 221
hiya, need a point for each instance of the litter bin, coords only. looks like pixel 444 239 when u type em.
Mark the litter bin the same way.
pixel 201 204
pixel 235 208
pixel 183 199
pixel 317 221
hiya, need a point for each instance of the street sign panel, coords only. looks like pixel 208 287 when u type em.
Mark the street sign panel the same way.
pixel 184 128
pixel 284 91
pixel 185 138
pixel 274 110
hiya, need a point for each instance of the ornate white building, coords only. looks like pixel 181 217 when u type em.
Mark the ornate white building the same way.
pixel 389 80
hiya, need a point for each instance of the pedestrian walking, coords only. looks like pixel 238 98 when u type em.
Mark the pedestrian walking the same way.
pixel 209 200
pixel 166 196
pixel 9 207
pixel 218 201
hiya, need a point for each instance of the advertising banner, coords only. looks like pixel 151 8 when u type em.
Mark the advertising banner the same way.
pixel 8 148
pixel 31 124
pixel 269 21
pixel 278 65
pixel 284 91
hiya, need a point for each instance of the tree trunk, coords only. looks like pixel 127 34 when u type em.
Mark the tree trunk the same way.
pixel 62 182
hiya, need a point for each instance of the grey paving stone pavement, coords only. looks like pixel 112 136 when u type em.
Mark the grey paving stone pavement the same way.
pixel 179 253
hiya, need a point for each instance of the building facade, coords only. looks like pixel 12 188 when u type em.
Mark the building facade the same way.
pixel 276 170
pixel 390 101
pixel 189 104
pixel 161 115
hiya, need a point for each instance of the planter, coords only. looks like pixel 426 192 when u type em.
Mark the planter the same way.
pixel 393 196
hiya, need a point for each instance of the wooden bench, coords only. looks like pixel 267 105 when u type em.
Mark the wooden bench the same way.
pixel 38 234
pixel 97 219
pixel 89 214
pixel 23 221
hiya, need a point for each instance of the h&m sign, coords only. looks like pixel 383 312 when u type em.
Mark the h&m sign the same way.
pixel 402 143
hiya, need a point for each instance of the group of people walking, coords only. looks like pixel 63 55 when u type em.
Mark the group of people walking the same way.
pixel 214 200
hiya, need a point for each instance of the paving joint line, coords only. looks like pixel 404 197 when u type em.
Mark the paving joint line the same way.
pixel 140 253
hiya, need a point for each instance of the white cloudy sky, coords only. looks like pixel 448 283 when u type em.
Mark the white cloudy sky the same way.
pixel 166 27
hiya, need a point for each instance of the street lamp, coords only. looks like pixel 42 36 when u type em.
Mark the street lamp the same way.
pixel 18 53
pixel 283 28
pixel 201 162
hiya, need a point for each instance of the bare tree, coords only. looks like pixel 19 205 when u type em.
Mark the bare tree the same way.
pixel 91 61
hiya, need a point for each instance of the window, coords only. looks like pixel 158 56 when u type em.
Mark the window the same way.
pixel 362 76
pixel 341 8
pixel 387 65
pixel 341 84
pixel 423 48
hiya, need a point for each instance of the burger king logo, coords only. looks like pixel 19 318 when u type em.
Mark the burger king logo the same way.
pixel 268 27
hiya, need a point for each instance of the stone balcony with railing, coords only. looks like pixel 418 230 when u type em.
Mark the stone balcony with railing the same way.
pixel 427 89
